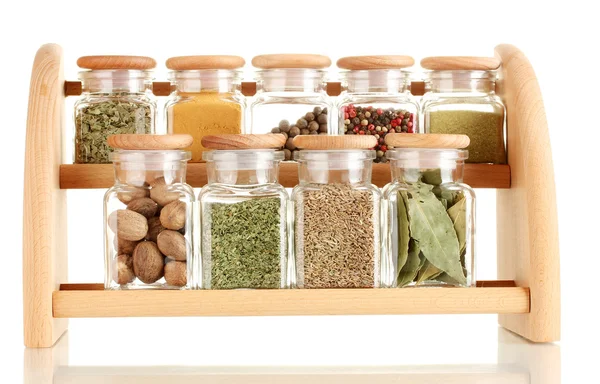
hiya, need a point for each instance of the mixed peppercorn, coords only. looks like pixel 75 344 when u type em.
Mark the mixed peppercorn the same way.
pixel 378 122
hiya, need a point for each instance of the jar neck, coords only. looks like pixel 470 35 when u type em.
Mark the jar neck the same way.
pixel 291 80
pixel 481 82
pixel 242 177
pixel 355 174
pixel 116 81
pixel 218 81
pixel 430 173
pixel 141 174
pixel 376 81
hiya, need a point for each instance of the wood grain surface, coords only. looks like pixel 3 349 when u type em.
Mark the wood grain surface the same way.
pixel 150 142
pixel 375 62
pixel 44 203
pixel 182 63
pixel 526 214
pixel 116 62
pixel 427 140
pixel 247 141
pixel 323 142
pixel 291 60
pixel 443 63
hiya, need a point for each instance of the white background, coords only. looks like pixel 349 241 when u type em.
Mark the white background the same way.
pixel 559 38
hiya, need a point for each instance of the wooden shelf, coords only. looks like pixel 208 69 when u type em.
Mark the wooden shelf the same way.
pixel 90 300
pixel 87 176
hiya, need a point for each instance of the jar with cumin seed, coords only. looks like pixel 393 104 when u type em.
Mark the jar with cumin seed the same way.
pixel 116 99
pixel 148 214
pixel 244 213
pixel 430 213
pixel 336 214
pixel 291 97
pixel 376 98
pixel 460 98
pixel 206 98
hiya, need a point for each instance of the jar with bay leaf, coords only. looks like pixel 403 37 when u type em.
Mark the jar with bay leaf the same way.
pixel 430 221
pixel 205 98
pixel 461 99
pixel 336 214
pixel 148 214
pixel 244 214
pixel 116 99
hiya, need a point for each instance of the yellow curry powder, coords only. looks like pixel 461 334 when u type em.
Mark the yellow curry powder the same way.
pixel 204 113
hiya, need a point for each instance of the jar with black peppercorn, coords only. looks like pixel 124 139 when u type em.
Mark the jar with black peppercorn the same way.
pixel 376 99
pixel 290 97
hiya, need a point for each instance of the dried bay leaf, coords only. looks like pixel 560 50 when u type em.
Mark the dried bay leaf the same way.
pixel 458 215
pixel 431 226
pixel 403 228
pixel 444 278
pixel 432 176
pixel 411 267
pixel 428 272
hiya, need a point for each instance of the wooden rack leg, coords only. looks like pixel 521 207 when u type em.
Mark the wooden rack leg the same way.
pixel 526 213
pixel 44 205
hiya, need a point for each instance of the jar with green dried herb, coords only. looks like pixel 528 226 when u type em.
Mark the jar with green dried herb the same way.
pixel 430 223
pixel 244 226
pixel 116 99
pixel 336 216
pixel 461 99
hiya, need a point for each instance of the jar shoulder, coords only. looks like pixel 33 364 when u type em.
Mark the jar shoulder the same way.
pixel 91 99
pixel 216 191
pixel 299 190
pixel 432 100
pixel 316 98
pixel 377 98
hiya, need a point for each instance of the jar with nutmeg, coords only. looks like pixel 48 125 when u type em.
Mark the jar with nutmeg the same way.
pixel 148 214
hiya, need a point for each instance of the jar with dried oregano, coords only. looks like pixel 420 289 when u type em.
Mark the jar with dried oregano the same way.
pixel 430 223
pixel 243 214
pixel 336 214
pixel 116 99
pixel 206 98
pixel 461 99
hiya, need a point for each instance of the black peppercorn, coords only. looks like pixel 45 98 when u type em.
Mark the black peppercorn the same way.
pixel 322 119
pixel 350 126
pixel 294 131
pixel 313 126
pixel 356 121
pixel 309 116
pixel 302 123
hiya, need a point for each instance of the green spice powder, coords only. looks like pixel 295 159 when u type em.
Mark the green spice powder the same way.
pixel 95 122
pixel 245 244
pixel 485 129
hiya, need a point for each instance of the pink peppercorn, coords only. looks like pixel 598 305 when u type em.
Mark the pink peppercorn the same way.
pixel 371 127
pixel 394 123
pixel 352 113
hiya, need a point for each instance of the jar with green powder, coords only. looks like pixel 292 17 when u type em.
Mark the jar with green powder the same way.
pixel 461 99
pixel 243 211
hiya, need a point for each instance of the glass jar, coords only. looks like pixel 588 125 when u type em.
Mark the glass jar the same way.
pixel 244 225
pixel 336 220
pixel 376 99
pixel 148 221
pixel 206 98
pixel 291 97
pixel 465 102
pixel 113 101
pixel 430 234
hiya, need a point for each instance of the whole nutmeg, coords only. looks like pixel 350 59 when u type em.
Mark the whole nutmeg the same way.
pixel 173 215
pixel 176 273
pixel 124 246
pixel 160 192
pixel 154 228
pixel 128 225
pixel 148 262
pixel 131 194
pixel 144 206
pixel 123 269
pixel 173 245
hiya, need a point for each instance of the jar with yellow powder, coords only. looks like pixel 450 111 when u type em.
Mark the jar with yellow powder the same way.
pixel 206 98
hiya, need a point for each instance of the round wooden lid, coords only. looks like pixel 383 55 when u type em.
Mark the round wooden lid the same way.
pixel 375 62
pixel 182 63
pixel 116 62
pixel 323 142
pixel 150 142
pixel 427 140
pixel 244 141
pixel 300 60
pixel 474 63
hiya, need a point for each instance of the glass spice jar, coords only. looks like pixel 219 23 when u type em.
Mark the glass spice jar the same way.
pixel 430 223
pixel 148 215
pixel 376 98
pixel 460 98
pixel 244 218
pixel 291 97
pixel 206 98
pixel 116 98
pixel 336 214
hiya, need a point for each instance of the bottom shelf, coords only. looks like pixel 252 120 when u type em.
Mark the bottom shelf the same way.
pixel 91 300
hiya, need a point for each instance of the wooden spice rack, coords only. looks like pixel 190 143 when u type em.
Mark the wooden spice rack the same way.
pixel 526 296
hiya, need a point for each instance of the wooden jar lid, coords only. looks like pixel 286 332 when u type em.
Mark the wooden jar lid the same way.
pixel 474 63
pixel 375 62
pixel 324 142
pixel 182 63
pixel 427 140
pixel 150 142
pixel 116 62
pixel 241 141
pixel 300 60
